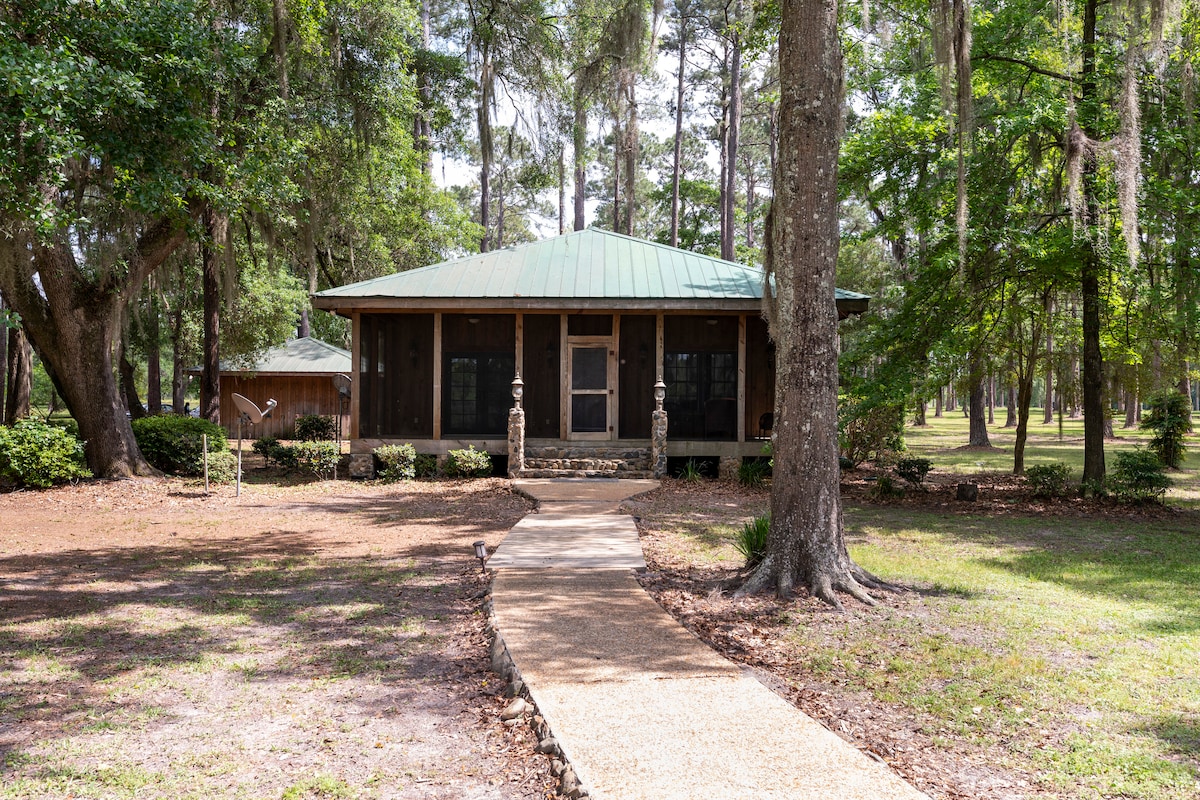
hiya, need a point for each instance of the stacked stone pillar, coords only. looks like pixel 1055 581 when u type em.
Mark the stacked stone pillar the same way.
pixel 516 430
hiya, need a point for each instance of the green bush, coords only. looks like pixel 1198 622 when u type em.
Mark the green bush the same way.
pixel 869 428
pixel 753 474
pixel 751 541
pixel 267 447
pixel 913 470
pixel 397 462
pixel 319 458
pixel 35 454
pixel 68 424
pixel 426 465
pixel 886 488
pixel 1138 477
pixel 315 428
pixel 469 463
pixel 222 466
pixel 1170 417
pixel 1048 480
pixel 175 445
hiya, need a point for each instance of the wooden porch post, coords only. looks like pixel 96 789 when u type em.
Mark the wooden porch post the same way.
pixel 355 371
pixel 741 379
pixel 437 375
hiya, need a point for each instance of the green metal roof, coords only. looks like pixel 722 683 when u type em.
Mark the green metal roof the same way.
pixel 586 265
pixel 306 355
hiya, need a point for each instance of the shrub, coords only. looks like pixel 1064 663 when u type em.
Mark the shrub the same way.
pixel 753 473
pixel 886 488
pixel 913 470
pixel 35 454
pixel 691 471
pixel 1138 477
pixel 319 458
pixel 869 428
pixel 1048 480
pixel 397 462
pixel 751 541
pixel 426 465
pixel 315 428
pixel 222 466
pixel 267 447
pixel 1170 417
pixel 469 463
pixel 175 445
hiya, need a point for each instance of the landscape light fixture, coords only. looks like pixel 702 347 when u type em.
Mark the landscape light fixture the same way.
pixel 481 553
pixel 518 389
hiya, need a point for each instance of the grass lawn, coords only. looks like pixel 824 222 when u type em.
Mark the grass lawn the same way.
pixel 942 440
pixel 1026 655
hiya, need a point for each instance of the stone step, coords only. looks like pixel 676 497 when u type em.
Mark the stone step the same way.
pixel 585 451
pixel 585 473
pixel 594 464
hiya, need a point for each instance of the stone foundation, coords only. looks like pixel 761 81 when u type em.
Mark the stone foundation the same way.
pixel 362 466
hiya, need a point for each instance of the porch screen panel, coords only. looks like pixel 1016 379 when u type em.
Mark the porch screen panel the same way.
pixel 395 376
pixel 478 367
pixel 700 370
pixel 541 375
pixel 477 393
pixel 636 376
pixel 760 379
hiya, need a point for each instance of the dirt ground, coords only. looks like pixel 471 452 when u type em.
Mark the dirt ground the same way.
pixel 318 640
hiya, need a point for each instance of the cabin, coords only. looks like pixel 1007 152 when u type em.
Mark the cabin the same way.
pixel 306 376
pixel 589 322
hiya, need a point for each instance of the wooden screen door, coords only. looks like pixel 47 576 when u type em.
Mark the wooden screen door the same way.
pixel 590 408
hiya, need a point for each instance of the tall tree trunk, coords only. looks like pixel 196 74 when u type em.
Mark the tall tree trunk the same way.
pixel 422 120
pixel 215 225
pixel 937 408
pixel 1010 403
pixel 579 155
pixel 991 398
pixel 19 382
pixel 729 189
pixel 1093 365
pixel 128 383
pixel 562 191
pixel 153 357
pixel 3 355
pixel 1048 411
pixel 178 377
pixel 486 150
pixel 677 153
pixel 919 415
pixel 976 405
pixel 806 544
pixel 631 151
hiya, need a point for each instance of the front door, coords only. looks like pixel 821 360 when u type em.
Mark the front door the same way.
pixel 589 411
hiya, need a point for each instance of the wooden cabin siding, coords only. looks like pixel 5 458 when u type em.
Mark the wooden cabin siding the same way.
pixel 297 395
pixel 636 375
pixel 541 372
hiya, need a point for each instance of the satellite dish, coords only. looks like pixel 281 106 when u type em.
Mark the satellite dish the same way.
pixel 251 412
pixel 342 384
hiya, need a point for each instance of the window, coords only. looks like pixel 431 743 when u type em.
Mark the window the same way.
pixel 701 398
pixel 478 392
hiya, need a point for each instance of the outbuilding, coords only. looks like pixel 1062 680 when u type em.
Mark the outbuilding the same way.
pixel 590 321
pixel 306 376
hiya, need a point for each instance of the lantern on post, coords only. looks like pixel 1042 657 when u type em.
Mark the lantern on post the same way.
pixel 518 390
pixel 660 394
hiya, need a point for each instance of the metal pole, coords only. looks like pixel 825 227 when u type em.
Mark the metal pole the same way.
pixel 238 491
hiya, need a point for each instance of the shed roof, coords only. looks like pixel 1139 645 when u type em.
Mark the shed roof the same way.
pixel 299 356
pixel 588 265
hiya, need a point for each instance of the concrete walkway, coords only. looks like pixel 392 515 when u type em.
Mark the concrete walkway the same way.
pixel 640 707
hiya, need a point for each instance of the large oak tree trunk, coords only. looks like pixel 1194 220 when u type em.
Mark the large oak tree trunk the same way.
pixel 72 317
pixel 1093 366
pixel 977 406
pixel 806 544
pixel 579 146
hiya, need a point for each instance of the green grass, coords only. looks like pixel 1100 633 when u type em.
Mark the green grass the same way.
pixel 943 438
pixel 1073 644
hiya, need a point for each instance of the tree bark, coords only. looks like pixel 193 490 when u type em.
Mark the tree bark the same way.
pixel 153 357
pixel 19 376
pixel 806 544
pixel 729 189
pixel 937 408
pixel 977 406
pixel 677 155
pixel 1093 365
pixel 128 383
pixel 579 143
pixel 71 319
pixel 215 224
